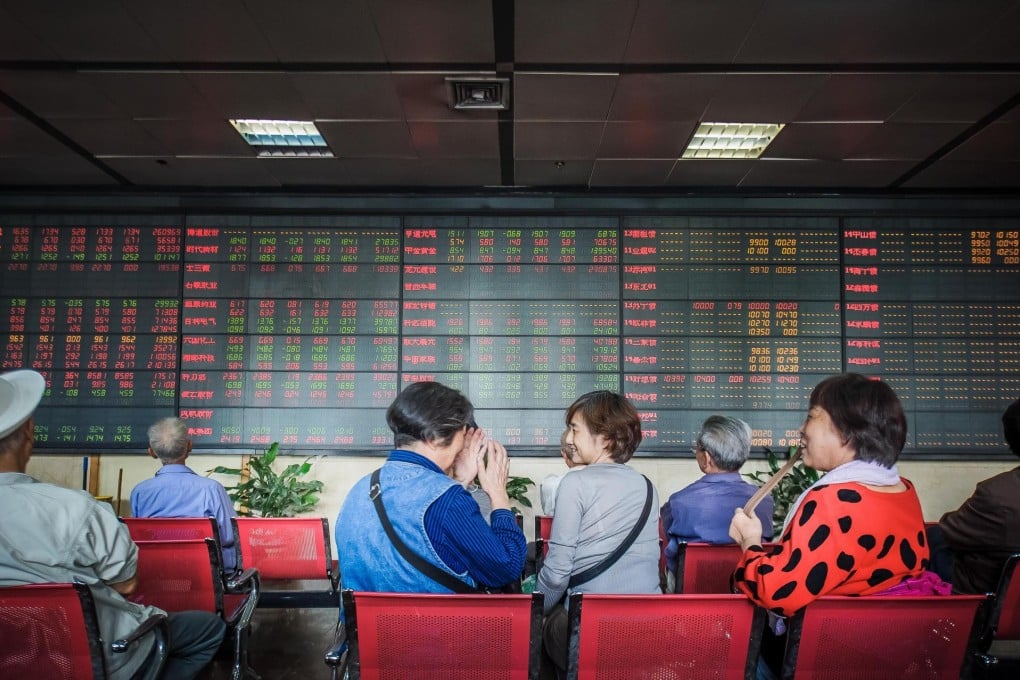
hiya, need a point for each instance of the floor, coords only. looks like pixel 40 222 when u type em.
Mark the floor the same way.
pixel 285 644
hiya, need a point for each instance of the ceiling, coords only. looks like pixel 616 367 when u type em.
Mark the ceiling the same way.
pixel 876 95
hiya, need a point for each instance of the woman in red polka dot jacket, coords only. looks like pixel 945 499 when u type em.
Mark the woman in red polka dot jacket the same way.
pixel 859 530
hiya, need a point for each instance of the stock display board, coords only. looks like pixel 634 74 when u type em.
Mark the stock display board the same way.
pixel 302 329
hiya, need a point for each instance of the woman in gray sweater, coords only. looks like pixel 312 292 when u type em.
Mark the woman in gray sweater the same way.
pixel 597 507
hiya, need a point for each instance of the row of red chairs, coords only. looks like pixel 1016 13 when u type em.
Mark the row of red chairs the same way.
pixel 289 552
pixel 621 637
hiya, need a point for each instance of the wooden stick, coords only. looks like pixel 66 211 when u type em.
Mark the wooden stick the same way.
pixel 767 487
pixel 120 484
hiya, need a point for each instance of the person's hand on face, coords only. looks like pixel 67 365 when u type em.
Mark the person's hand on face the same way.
pixel 493 472
pixel 465 465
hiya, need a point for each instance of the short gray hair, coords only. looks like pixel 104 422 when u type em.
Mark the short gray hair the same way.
pixel 168 439
pixel 726 440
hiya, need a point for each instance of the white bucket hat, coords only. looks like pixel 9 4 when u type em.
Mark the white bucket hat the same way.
pixel 20 392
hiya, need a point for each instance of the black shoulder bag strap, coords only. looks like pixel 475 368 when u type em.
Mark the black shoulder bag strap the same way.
pixel 593 571
pixel 432 571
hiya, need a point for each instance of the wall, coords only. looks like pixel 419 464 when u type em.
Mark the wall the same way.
pixel 942 485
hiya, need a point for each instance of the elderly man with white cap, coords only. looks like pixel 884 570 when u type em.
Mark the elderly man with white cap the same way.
pixel 50 534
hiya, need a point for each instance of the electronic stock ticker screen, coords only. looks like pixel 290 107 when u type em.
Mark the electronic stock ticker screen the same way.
pixel 302 330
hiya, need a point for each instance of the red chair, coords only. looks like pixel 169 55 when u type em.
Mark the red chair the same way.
pixel 175 529
pixel 705 568
pixel 621 637
pixel 51 631
pixel 452 637
pixel 288 549
pixel 185 575
pixel 543 529
pixel 1003 622
pixel 894 638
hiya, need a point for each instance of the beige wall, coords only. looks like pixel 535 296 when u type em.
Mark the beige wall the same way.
pixel 942 485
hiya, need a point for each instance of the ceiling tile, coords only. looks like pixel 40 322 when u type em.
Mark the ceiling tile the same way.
pixel 819 141
pixel 113 137
pixel 195 172
pixel 18 42
pixel 708 173
pixel 630 173
pixel 569 97
pixel 105 32
pixel 18 137
pixel 869 31
pixel 997 142
pixel 368 139
pixel 664 96
pixel 984 174
pixel 251 95
pixel 905 141
pixel 666 31
pixel 861 97
pixel 437 31
pixel 196 30
pixel 823 174
pixel 318 30
pixel 761 97
pixel 455 139
pixel 207 137
pixel 959 97
pixel 57 94
pixel 573 173
pixel 556 141
pixel 349 96
pixel 150 94
pixel 67 170
pixel 644 139
pixel 572 31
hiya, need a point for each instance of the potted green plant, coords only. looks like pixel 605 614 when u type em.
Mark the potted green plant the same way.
pixel 266 493
pixel 517 489
pixel 789 487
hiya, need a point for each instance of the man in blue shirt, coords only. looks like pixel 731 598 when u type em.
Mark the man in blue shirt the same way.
pixel 431 512
pixel 701 512
pixel 176 491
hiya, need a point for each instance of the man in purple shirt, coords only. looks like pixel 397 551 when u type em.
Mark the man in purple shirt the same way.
pixel 701 512
pixel 176 491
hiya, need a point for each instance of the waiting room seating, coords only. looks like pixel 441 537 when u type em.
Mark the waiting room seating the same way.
pixel 286 550
pixel 704 568
pixel 1003 623
pixel 883 637
pixel 175 529
pixel 442 637
pixel 50 632
pixel 621 637
pixel 182 575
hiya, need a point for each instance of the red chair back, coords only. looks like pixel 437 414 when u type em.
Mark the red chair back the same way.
pixel 705 568
pixel 286 547
pixel 171 528
pixel 1006 613
pixel 620 637
pixel 179 575
pixel 448 637
pixel 896 638
pixel 44 633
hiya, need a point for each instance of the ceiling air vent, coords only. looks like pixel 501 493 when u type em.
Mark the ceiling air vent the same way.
pixel 479 92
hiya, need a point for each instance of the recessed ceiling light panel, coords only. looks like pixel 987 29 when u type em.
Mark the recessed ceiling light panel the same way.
pixel 283 138
pixel 731 140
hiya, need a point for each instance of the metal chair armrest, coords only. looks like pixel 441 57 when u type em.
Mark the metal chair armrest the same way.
pixel 240 582
pixel 336 656
pixel 154 622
